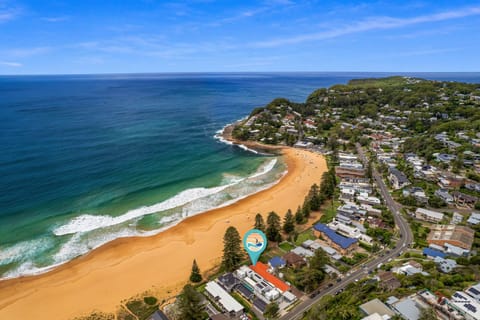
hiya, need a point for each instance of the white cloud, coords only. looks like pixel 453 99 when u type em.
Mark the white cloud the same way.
pixel 56 19
pixel 8 14
pixel 11 64
pixel 26 52
pixel 377 23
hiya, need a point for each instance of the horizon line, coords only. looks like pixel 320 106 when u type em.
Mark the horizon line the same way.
pixel 224 72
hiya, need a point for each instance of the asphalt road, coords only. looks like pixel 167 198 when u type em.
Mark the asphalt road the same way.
pixel 406 238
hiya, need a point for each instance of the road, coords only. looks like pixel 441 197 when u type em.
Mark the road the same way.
pixel 406 238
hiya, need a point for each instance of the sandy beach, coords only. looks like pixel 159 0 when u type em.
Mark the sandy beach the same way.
pixel 160 264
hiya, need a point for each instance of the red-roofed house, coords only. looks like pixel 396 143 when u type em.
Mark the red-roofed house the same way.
pixel 262 268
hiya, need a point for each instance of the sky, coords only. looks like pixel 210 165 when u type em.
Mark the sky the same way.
pixel 77 37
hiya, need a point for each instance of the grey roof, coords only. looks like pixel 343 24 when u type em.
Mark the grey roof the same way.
pixel 158 315
pixel 376 306
pixel 408 309
pixel 401 177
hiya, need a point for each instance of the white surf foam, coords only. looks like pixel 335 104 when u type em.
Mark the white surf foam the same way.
pixel 88 222
pixel 24 250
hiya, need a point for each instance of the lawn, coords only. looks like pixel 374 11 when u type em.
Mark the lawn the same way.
pixel 286 246
pixel 329 211
pixel 304 236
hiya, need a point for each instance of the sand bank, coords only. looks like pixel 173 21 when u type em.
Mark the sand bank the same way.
pixel 161 263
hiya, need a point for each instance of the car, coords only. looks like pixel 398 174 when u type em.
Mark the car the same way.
pixel 356 280
pixel 330 285
pixel 313 294
pixel 339 279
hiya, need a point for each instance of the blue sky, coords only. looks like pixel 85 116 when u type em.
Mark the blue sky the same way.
pixel 62 37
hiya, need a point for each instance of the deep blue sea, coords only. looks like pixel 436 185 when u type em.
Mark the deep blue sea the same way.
pixel 90 158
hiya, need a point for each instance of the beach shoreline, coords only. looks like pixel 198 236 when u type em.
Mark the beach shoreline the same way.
pixel 161 263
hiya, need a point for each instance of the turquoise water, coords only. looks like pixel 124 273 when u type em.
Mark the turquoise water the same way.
pixel 87 159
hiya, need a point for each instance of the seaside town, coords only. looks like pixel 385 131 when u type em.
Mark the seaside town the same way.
pixel 391 230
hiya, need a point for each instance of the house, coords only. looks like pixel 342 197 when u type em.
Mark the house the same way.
pixel 224 299
pixel 446 158
pixel 445 265
pixel 432 253
pixel 262 270
pixel 428 215
pixel 474 292
pixel 464 200
pixel 376 306
pixel 409 269
pixel 397 178
pixel 474 218
pixel 349 172
pixel 406 307
pixel 459 236
pixel 228 281
pixel 466 305
pixel 388 281
pixel 277 263
pixel 340 243
pixel 363 199
pixel 158 315
pixel 450 181
pixel 294 260
pixel 417 193
pixel 303 252
pixel 312 245
pixel 444 195
pixel 457 218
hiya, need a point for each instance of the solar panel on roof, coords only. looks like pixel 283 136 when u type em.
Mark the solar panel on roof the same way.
pixel 260 304
pixel 243 289
pixel 473 290
pixel 470 307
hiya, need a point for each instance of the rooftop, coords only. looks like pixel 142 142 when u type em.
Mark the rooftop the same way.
pixel 376 306
pixel 342 241
pixel 262 268
pixel 225 299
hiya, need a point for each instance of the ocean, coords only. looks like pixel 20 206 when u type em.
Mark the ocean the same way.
pixel 87 159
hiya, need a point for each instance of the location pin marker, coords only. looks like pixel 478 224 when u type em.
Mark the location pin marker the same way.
pixel 254 242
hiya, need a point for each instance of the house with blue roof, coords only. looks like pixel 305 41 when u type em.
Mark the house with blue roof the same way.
pixel 277 262
pixel 432 253
pixel 340 243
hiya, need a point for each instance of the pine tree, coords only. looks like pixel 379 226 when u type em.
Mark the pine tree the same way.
pixel 259 223
pixel 299 218
pixel 190 304
pixel 306 208
pixel 195 276
pixel 273 227
pixel 314 197
pixel 288 222
pixel 232 253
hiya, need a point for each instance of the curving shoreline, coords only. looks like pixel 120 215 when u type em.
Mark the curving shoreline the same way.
pixel 160 263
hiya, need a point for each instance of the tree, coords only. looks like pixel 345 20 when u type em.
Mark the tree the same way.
pixel 319 260
pixel 190 304
pixel 314 197
pixel 273 227
pixel 288 222
pixel 195 276
pixel 308 279
pixel 232 253
pixel 306 209
pixel 299 218
pixel 271 311
pixel 259 223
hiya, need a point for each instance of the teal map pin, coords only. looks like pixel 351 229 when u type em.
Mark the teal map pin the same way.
pixel 254 242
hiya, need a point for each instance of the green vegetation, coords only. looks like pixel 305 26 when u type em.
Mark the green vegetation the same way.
pixel 259 223
pixel 190 305
pixel 195 275
pixel 286 246
pixel 232 251
pixel 273 227
pixel 304 236
pixel 271 311
pixel 97 315
pixel 140 308
pixel 288 222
